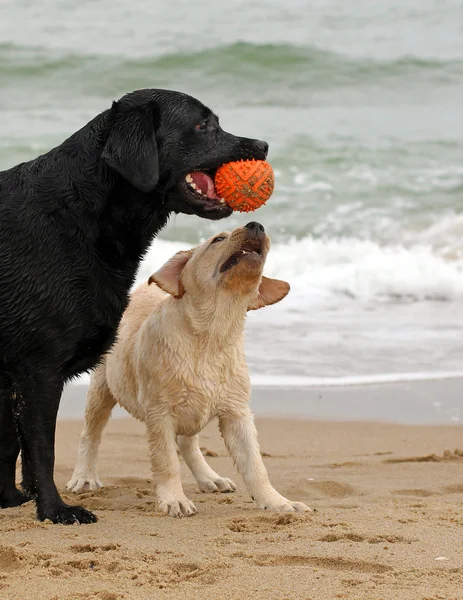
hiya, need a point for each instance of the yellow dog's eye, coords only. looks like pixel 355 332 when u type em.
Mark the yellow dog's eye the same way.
pixel 220 238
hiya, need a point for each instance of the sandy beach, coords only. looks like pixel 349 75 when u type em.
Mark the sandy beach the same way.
pixel 386 523
pixel 357 377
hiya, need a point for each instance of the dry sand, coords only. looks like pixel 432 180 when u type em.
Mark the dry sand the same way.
pixel 387 522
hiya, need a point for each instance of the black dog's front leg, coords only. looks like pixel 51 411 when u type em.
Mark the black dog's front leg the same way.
pixel 36 408
pixel 9 450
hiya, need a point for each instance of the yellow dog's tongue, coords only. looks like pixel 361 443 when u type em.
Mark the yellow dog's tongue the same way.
pixel 204 184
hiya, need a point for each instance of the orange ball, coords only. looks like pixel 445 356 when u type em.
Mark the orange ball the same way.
pixel 246 184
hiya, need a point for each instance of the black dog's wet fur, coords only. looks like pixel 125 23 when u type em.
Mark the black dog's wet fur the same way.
pixel 74 225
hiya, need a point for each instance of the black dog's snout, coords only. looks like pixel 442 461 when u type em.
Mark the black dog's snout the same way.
pixel 255 227
pixel 262 146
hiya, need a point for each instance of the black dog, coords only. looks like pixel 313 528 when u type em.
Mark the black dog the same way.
pixel 74 225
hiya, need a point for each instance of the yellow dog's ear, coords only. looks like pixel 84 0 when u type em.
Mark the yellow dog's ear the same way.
pixel 169 276
pixel 270 291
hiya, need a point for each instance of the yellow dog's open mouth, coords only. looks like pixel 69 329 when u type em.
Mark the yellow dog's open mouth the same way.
pixel 250 249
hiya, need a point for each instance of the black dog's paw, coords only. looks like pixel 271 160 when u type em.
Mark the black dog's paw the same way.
pixel 13 498
pixel 67 515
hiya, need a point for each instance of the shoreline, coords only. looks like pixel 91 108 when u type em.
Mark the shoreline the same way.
pixel 421 402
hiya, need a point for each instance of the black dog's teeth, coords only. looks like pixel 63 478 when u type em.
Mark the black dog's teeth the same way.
pixel 191 184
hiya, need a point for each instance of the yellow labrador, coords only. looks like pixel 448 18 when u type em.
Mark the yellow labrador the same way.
pixel 179 362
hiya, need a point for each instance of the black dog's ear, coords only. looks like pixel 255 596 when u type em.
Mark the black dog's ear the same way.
pixel 131 148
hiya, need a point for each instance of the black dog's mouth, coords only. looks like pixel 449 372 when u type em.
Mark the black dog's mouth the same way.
pixel 200 190
pixel 202 183
pixel 250 249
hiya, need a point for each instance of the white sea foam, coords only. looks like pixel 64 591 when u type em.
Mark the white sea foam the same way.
pixel 352 380
pixel 358 314
pixel 348 268
pixel 289 381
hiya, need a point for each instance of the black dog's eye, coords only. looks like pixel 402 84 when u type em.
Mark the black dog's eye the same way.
pixel 219 238
pixel 202 126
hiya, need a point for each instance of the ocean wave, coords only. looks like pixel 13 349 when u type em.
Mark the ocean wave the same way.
pixel 298 67
pixel 289 381
pixel 347 269
pixel 301 381
pixel 446 235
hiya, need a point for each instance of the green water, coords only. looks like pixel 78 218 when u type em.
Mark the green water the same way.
pixel 362 106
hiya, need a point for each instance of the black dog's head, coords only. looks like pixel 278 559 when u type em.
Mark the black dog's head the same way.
pixel 169 144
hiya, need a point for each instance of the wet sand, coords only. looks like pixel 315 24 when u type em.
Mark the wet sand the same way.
pixel 387 521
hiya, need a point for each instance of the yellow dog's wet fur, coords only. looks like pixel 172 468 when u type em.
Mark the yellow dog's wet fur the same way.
pixel 179 362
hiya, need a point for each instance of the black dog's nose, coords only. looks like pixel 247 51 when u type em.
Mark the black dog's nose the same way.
pixel 262 146
pixel 255 227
